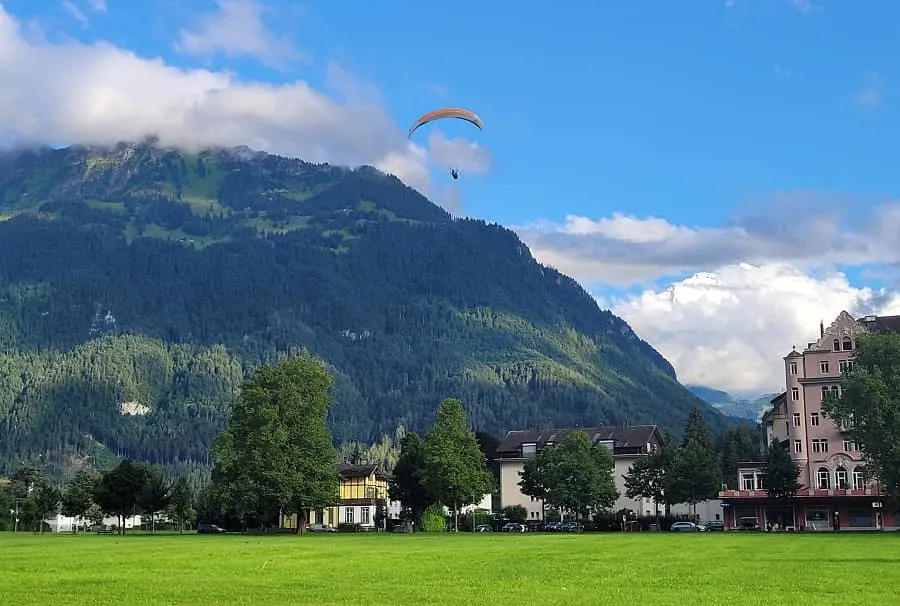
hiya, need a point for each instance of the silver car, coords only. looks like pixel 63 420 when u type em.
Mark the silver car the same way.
pixel 687 527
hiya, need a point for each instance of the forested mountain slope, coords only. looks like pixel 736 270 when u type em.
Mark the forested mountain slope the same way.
pixel 137 284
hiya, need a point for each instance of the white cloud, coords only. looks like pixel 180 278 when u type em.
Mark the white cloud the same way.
pixel 730 329
pixel 98 6
pixel 467 156
pixel 870 95
pixel 74 11
pixel 237 29
pixel 808 230
pixel 100 94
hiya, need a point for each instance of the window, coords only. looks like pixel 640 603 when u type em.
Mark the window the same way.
pixel 798 446
pixel 320 517
pixel 814 419
pixel 835 391
pixel 824 393
pixel 823 366
pixel 823 479
pixel 859 478
pixel 847 344
pixel 796 419
pixel 795 393
pixel 840 478
pixel 529 450
pixel 845 365
pixel 370 492
pixel 836 345
pixel 748 481
pixel 850 446
pixel 819 445
pixel 364 515
pixel 348 515
pixel 793 368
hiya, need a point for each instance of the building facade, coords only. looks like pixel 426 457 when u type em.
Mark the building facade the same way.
pixel 835 488
pixel 362 489
pixel 626 444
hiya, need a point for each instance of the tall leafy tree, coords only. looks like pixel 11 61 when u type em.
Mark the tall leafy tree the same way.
pixel 869 405
pixel 739 444
pixel 45 498
pixel 407 485
pixel 277 452
pixel 695 430
pixel 781 477
pixel 78 496
pixel 694 475
pixel 646 478
pixel 455 467
pixel 181 502
pixel 154 495
pixel 575 475
pixel 119 490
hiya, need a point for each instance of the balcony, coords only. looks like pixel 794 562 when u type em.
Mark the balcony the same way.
pixel 802 493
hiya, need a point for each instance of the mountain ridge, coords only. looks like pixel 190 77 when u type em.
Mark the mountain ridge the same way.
pixel 150 250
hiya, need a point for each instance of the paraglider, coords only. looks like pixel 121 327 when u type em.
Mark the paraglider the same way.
pixel 448 112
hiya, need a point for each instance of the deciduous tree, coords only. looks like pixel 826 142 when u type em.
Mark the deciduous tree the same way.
pixel 781 475
pixel 869 405
pixel 646 478
pixel 407 485
pixel 455 468
pixel 574 475
pixel 277 452
pixel 78 496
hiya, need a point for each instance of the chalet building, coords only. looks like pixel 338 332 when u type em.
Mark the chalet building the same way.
pixel 626 444
pixel 362 489
pixel 835 487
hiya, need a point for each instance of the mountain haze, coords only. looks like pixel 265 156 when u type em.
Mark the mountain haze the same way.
pixel 139 284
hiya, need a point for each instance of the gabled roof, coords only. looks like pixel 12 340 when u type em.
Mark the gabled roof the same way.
pixel 348 471
pixel 633 436
pixel 881 323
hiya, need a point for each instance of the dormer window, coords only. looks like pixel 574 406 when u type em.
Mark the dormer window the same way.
pixel 836 345
pixel 847 344
pixel 529 450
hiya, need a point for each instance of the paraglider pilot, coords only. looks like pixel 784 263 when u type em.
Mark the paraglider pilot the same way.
pixel 454 174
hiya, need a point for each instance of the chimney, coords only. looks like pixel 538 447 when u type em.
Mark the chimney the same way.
pixel 821 329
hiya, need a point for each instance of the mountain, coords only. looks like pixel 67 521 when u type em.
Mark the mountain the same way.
pixel 731 406
pixel 139 284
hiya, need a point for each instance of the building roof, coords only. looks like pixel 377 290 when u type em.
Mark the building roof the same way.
pixel 632 436
pixel 348 470
pixel 881 323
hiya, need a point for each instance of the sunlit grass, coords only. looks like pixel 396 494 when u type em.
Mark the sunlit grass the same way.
pixel 645 568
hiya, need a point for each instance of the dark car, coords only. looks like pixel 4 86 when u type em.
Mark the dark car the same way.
pixel 553 526
pixel 483 528
pixel 715 525
pixel 209 529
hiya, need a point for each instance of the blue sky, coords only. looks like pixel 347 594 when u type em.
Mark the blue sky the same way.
pixel 759 134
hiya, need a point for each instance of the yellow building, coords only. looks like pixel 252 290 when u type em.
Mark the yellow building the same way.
pixel 362 489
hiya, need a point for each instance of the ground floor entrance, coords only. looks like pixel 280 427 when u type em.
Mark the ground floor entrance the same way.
pixel 807 514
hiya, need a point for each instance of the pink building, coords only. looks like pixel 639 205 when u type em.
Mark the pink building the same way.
pixel 835 488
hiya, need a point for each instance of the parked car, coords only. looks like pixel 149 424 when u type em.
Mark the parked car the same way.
pixel 687 527
pixel 483 528
pixel 553 526
pixel 713 525
pixel 209 529
pixel 572 527
pixel 321 528
pixel 513 527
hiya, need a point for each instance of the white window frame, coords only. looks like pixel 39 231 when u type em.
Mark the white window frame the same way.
pixel 824 367
pixel 841 479
pixel 792 368
pixel 798 446
pixel 814 419
pixel 796 417
pixel 823 474
pixel 859 479
pixel 819 445
pixel 795 394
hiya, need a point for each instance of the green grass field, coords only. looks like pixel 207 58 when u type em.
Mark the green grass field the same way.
pixel 642 569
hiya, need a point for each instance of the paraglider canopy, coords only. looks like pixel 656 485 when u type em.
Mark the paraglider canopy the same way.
pixel 447 112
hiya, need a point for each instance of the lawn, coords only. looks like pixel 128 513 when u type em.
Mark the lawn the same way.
pixel 643 568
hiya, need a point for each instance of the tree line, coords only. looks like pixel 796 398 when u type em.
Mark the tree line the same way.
pixel 122 492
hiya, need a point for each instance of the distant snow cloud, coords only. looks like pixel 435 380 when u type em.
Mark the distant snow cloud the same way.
pixel 237 29
pixel 70 92
pixel 730 328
